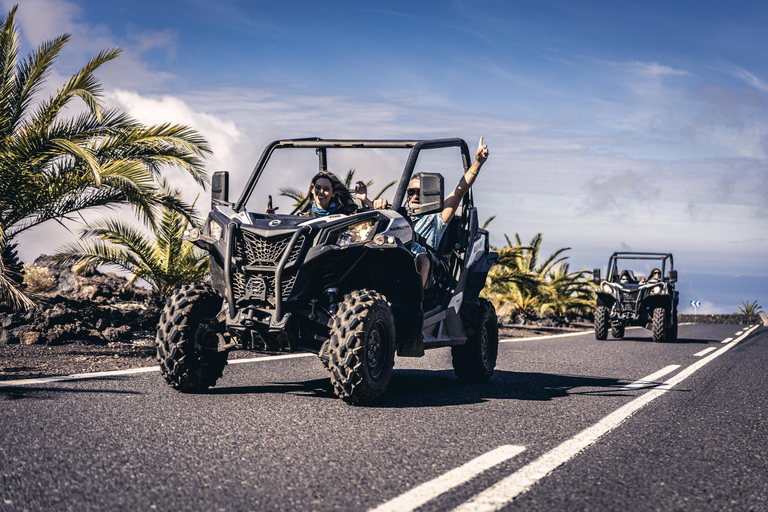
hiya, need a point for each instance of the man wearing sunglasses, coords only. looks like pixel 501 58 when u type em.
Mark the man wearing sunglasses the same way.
pixel 431 227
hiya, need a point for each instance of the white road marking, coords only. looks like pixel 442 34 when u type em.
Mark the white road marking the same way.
pixel 502 493
pixel 112 373
pixel 727 340
pixel 705 351
pixel 652 378
pixel 512 340
pixel 739 333
pixel 427 491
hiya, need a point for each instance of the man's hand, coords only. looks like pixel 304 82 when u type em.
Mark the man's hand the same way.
pixel 481 155
pixel 380 204
pixel 271 210
pixel 361 191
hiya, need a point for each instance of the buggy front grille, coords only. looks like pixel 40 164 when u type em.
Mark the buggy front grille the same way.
pixel 256 261
pixel 628 300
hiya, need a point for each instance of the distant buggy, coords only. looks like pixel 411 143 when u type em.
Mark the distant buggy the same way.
pixel 342 286
pixel 626 299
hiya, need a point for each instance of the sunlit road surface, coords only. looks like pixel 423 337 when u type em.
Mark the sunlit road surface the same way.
pixel 566 423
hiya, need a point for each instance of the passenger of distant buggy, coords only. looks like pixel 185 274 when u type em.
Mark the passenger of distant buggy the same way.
pixel 654 276
pixel 625 278
pixel 327 195
pixel 431 227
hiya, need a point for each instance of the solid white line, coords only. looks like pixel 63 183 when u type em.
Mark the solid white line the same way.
pixel 112 373
pixel 271 358
pixel 418 496
pixel 577 333
pixel 501 494
pixel 705 351
pixel 726 340
pixel 652 378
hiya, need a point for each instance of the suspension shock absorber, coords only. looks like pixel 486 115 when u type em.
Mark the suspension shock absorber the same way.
pixel 332 300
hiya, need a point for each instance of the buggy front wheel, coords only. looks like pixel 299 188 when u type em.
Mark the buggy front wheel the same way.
pixel 601 323
pixel 187 345
pixel 362 347
pixel 659 325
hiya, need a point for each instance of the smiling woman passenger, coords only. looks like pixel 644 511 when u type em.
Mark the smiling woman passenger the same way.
pixel 327 195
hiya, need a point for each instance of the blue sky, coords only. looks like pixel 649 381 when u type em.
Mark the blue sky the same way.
pixel 612 125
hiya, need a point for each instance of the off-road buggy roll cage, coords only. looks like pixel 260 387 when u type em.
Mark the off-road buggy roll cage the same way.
pixel 614 271
pixel 321 145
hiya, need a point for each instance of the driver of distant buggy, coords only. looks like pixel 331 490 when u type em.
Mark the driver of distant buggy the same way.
pixel 327 195
pixel 654 276
pixel 432 227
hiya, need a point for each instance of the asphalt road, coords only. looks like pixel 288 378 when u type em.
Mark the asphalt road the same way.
pixel 566 423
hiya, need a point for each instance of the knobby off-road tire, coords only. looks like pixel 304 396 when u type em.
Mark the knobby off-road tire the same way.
pixel 601 323
pixel 476 359
pixel 186 339
pixel 617 331
pixel 659 325
pixel 362 347
pixel 672 328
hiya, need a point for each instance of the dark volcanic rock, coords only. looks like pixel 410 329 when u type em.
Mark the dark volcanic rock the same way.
pixel 92 309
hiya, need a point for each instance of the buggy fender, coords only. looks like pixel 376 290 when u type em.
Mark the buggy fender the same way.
pixel 662 300
pixel 476 278
pixel 390 270
pixel 604 299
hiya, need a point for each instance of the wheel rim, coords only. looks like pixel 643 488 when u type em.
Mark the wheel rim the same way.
pixel 376 349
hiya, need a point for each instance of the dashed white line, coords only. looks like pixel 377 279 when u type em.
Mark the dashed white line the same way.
pixel 727 340
pixel 425 492
pixel 705 351
pixel 652 378
pixel 502 493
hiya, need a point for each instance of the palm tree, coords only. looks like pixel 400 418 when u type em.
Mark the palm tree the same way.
pixel 165 261
pixel 532 288
pixel 52 167
pixel 750 308
pixel 567 292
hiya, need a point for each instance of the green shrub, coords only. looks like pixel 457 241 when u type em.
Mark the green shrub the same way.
pixel 38 279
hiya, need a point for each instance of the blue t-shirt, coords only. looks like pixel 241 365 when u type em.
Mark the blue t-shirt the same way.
pixel 431 227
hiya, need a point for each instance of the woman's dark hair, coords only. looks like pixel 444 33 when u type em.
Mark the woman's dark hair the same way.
pixel 340 193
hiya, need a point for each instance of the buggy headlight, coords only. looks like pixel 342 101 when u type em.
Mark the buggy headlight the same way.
pixel 607 288
pixel 355 233
pixel 215 230
pixel 656 289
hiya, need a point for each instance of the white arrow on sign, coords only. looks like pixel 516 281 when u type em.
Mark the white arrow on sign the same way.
pixel 695 303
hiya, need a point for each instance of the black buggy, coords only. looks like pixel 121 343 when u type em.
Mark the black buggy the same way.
pixel 342 286
pixel 625 299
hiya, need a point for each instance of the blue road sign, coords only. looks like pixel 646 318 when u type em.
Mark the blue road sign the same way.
pixel 695 303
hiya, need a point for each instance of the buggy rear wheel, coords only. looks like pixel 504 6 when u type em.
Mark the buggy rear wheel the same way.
pixel 659 325
pixel 601 322
pixel 362 347
pixel 476 359
pixel 187 345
